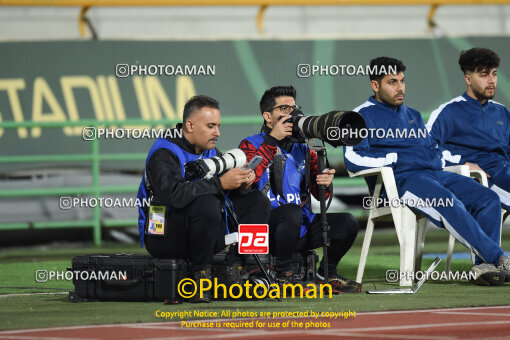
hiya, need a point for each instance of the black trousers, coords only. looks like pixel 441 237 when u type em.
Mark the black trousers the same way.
pixel 285 229
pixel 197 231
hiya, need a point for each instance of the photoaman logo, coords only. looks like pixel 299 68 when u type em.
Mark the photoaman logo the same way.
pixel 253 239
pixel 188 288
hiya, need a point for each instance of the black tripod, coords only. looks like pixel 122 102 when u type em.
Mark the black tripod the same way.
pixel 321 154
pixel 255 256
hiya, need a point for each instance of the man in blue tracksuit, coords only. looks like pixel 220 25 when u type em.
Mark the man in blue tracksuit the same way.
pixel 401 142
pixel 472 128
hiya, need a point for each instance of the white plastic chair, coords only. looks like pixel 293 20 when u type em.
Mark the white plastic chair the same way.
pixel 407 225
pixel 410 227
pixel 482 178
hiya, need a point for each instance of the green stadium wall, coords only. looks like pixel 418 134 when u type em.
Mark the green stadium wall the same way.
pixel 75 80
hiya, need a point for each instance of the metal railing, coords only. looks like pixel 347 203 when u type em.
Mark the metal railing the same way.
pixel 83 22
pixel 95 157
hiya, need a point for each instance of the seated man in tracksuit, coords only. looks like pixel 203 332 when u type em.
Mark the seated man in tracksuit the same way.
pixel 192 226
pixel 473 218
pixel 281 176
pixel 472 128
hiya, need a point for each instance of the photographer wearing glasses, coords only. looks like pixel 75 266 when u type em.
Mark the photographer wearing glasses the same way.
pixel 282 177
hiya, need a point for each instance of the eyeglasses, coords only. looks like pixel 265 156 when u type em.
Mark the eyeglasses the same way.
pixel 286 109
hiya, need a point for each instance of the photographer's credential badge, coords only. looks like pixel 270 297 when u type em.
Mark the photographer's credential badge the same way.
pixel 156 220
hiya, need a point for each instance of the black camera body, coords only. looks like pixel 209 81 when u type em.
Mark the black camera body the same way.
pixel 195 169
pixel 294 118
pixel 217 165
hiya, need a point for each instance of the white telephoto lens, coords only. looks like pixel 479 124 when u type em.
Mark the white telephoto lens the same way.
pixel 234 158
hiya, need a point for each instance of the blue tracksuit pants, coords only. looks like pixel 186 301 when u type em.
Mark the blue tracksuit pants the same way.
pixel 500 183
pixel 474 218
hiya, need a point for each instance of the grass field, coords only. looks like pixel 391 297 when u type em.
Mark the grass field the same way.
pixel 21 308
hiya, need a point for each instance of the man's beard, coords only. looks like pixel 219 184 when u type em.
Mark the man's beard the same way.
pixel 482 96
pixel 393 102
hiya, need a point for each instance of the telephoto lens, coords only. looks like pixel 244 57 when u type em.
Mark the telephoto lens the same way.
pixel 260 288
pixel 207 168
pixel 337 128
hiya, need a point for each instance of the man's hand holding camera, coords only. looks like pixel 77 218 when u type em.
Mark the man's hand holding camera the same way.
pixel 282 129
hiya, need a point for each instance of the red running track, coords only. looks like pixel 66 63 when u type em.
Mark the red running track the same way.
pixel 451 323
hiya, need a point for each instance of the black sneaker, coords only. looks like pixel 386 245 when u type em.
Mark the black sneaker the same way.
pixel 504 266
pixel 486 274
pixel 229 275
pixel 341 284
pixel 287 281
pixel 197 275
pixel 286 278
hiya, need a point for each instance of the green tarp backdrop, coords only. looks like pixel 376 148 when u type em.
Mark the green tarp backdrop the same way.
pixel 66 81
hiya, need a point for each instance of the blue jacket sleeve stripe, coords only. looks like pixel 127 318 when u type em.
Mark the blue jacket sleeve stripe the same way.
pixel 495 102
pixel 365 104
pixel 437 132
pixel 365 161
pixel 435 114
pixel 355 157
pixel 447 156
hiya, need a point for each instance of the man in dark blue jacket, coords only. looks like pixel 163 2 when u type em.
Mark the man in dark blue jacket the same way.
pixel 472 128
pixel 402 143
pixel 190 212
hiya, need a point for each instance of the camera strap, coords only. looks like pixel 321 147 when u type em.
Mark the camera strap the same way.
pixel 308 192
pixel 331 185
pixel 148 188
pixel 229 206
pixel 266 186
pixel 308 171
pixel 276 175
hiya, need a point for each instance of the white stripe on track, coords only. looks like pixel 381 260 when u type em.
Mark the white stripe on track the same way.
pixel 171 323
pixel 32 294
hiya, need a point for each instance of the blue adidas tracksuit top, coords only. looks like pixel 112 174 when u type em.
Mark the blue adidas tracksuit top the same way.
pixel 471 132
pixel 474 217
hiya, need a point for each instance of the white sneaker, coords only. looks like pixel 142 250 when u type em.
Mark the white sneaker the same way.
pixel 505 267
pixel 488 275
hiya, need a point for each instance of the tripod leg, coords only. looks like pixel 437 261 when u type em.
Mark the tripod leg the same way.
pixel 325 262
pixel 266 275
pixel 324 222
